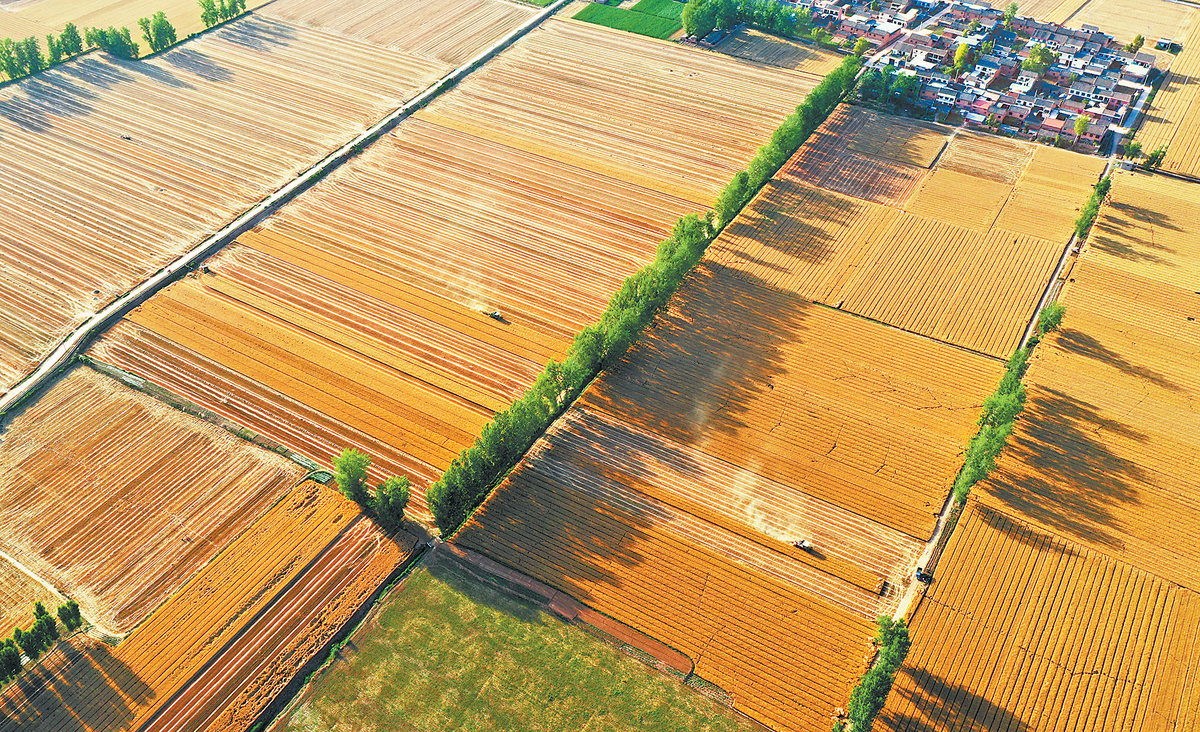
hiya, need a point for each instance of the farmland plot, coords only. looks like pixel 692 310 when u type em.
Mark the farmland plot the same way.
pixel 118 167
pixel 1125 19
pixel 1173 119
pixel 451 33
pixel 54 14
pixel 1050 194
pixel 116 498
pixel 755 45
pixel 282 588
pixel 388 269
pixel 632 108
pixel 1024 630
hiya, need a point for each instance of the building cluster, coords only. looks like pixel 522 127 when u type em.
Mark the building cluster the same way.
pixel 1091 73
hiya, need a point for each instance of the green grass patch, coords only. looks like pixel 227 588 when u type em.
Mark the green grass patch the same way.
pixel 662 8
pixel 446 651
pixel 627 20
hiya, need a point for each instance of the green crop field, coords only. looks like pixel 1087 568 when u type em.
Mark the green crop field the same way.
pixel 628 20
pixel 662 8
pixel 447 651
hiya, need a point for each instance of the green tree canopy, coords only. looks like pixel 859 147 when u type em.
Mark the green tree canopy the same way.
pixel 1040 58
pixel 351 468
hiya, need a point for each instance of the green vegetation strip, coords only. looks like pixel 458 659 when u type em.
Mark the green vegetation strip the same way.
pixel 448 651
pixel 627 20
pixel 511 433
pixel 1087 216
pixel 869 695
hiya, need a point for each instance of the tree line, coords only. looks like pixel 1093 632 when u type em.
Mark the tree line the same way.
pixel 38 639
pixel 21 58
pixel 513 431
pixel 870 694
pixel 701 17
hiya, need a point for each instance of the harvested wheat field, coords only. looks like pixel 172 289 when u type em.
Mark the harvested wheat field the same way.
pixel 284 587
pixel 1107 451
pixel 18 593
pixel 764 48
pixel 1023 630
pixel 648 112
pixel 451 33
pixel 786 658
pixel 358 314
pixel 118 167
pixel 929 251
pixel 116 499
pixel 1173 120
pixel 1125 19
pixel 1050 193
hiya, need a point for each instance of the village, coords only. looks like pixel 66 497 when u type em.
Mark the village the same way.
pixel 993 68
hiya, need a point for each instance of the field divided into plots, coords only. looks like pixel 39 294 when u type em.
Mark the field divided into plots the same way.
pixel 278 593
pixel 116 499
pixel 1173 119
pixel 859 221
pixel 52 15
pixel 1066 598
pixel 1108 453
pixel 358 314
pixel 1124 19
pixel 1023 630
pixel 118 167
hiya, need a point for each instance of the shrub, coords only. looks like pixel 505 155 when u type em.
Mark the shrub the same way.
pixel 1050 318
pixel 1087 215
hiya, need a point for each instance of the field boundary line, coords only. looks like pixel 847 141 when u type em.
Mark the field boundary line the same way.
pixel 80 338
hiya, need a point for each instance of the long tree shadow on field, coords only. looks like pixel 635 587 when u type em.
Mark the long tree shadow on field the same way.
pixel 1122 221
pixel 1070 480
pixel 572 514
pixel 936 703
pixel 92 688
pixel 776 210
pixel 1084 344
pixel 1022 532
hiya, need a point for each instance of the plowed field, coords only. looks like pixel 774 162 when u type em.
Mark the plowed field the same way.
pixel 275 597
pixel 1174 118
pixel 788 659
pixel 1124 19
pixel 356 316
pixel 452 33
pixel 18 593
pixel 1106 455
pixel 1022 630
pixel 115 168
pixel 116 499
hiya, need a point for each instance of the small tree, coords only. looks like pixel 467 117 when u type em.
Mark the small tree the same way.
pixel 961 55
pixel 69 41
pixel 1136 44
pixel 10 660
pixel 861 46
pixel 1009 13
pixel 1082 122
pixel 1155 158
pixel 732 198
pixel 34 61
pixel 208 13
pixel 390 499
pixel 118 42
pixel 1040 58
pixel 158 31
pixel 1050 317
pixel 351 468
pixel 1133 149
